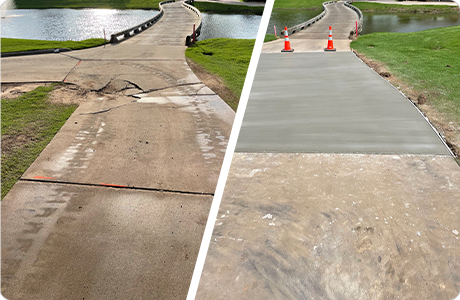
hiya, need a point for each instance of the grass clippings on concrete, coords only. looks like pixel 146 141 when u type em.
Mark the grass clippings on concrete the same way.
pixel 227 59
pixel 17 45
pixel 29 122
pixel 425 66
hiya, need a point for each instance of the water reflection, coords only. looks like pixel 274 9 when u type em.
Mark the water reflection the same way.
pixel 407 22
pixel 70 24
pixel 229 26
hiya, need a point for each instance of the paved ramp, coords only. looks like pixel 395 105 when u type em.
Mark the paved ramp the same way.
pixel 338 189
pixel 314 38
pixel 115 206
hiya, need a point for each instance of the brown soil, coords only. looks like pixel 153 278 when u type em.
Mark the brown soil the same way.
pixel 215 83
pixel 449 130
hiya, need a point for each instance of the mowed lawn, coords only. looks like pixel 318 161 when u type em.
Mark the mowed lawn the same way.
pixel 29 122
pixel 427 61
pixel 16 45
pixel 226 58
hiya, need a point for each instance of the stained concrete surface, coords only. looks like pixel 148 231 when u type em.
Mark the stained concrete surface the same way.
pixel 336 226
pixel 330 103
pixel 43 67
pixel 155 126
pixel 73 242
pixel 177 145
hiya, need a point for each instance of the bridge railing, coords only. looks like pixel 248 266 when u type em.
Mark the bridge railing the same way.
pixel 360 17
pixel 310 22
pixel 189 4
pixel 141 27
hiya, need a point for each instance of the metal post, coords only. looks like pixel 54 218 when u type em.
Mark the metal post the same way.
pixel 194 33
pixel 356 28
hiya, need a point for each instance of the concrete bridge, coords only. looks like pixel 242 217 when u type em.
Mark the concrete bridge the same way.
pixel 339 187
pixel 115 206
pixel 341 18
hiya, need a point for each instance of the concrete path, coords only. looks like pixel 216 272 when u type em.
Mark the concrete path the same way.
pixel 314 38
pixel 338 189
pixel 115 206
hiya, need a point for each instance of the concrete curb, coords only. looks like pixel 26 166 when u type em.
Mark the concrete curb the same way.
pixel 35 52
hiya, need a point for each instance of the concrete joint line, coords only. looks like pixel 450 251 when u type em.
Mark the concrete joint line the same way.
pixel 115 186
pixel 65 78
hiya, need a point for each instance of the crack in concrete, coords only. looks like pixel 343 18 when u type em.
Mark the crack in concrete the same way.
pixel 108 109
pixel 105 185
pixel 163 88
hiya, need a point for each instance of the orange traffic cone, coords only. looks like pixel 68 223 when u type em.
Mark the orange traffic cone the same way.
pixel 330 43
pixel 287 44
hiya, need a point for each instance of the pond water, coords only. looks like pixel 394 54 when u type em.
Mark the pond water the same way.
pixel 69 24
pixel 373 22
pixel 80 24
pixel 289 18
pixel 229 26
pixel 407 22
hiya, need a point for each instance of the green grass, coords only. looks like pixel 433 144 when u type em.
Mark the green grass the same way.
pixel 34 121
pixel 380 8
pixel 420 60
pixel 218 8
pixel 15 45
pixel 227 58
pixel 298 4
pixel 117 4
pixel 269 38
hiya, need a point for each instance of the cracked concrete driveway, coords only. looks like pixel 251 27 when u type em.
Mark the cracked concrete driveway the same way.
pixel 115 206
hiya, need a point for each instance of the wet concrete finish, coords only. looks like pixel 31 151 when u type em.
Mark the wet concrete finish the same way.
pixel 330 103
pixel 336 226
pixel 73 242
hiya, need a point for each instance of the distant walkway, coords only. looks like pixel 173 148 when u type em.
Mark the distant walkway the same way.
pixel 115 206
pixel 314 38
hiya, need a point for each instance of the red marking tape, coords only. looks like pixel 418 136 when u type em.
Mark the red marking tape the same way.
pixel 41 177
pixel 115 185
pixel 79 63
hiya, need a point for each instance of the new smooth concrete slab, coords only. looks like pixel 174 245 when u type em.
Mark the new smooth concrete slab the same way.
pixel 43 67
pixel 330 103
pixel 75 242
pixel 336 226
